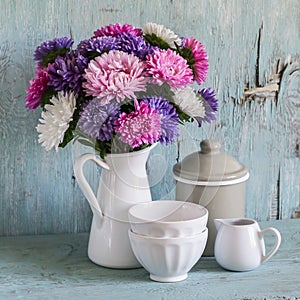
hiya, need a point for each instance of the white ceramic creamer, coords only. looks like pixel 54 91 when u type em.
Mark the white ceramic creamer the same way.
pixel 240 246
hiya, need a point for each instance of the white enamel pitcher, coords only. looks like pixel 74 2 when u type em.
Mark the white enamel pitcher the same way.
pixel 123 183
pixel 240 246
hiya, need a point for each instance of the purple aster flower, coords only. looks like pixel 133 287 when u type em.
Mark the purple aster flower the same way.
pixel 135 45
pixel 97 45
pixel 49 50
pixel 66 72
pixel 182 42
pixel 210 103
pixel 97 121
pixel 169 118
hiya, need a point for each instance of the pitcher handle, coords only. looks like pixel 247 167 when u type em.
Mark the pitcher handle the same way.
pixel 83 184
pixel 277 243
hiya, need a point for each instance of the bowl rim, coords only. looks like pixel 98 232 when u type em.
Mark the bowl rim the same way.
pixel 158 219
pixel 149 238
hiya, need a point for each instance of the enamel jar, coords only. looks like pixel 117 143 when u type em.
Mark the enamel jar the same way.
pixel 215 180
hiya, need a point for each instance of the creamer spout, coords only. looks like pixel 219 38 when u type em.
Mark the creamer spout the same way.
pixel 218 223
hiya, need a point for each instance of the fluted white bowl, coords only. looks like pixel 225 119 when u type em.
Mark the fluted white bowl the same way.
pixel 168 218
pixel 168 259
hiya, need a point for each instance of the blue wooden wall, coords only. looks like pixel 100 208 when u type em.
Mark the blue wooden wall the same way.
pixel 254 49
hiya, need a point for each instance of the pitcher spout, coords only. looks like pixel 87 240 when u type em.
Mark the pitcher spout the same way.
pixel 218 223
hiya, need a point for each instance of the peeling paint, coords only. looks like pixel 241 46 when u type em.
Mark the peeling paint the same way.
pixel 296 213
pixel 271 89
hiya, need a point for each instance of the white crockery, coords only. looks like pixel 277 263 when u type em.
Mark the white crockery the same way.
pixel 122 184
pixel 168 218
pixel 240 244
pixel 168 259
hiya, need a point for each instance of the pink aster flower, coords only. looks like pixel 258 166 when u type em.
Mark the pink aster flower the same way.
pixel 114 75
pixel 200 65
pixel 115 29
pixel 142 126
pixel 168 66
pixel 37 87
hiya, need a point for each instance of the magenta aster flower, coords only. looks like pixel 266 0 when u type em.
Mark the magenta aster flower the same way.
pixel 169 118
pixel 115 29
pixel 122 89
pixel 114 75
pixel 199 61
pixel 37 86
pixel 168 66
pixel 142 126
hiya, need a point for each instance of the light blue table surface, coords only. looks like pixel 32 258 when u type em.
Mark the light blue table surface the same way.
pixel 57 267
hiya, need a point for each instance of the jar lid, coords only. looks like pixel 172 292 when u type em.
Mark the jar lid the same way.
pixel 210 166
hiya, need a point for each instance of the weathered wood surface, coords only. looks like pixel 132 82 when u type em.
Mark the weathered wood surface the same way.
pixel 57 267
pixel 254 49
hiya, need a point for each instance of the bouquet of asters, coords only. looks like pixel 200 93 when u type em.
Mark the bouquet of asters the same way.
pixel 121 90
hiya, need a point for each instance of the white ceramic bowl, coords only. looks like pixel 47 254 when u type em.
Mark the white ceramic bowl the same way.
pixel 168 218
pixel 168 259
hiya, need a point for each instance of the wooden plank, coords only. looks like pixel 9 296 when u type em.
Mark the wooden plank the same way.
pixel 289 122
pixel 56 267
pixel 244 40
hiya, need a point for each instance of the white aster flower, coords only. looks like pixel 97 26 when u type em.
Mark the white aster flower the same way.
pixel 189 102
pixel 164 33
pixel 55 120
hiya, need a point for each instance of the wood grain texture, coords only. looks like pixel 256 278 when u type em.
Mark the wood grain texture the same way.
pixel 244 39
pixel 57 267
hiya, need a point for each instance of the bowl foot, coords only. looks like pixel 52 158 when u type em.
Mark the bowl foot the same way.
pixel 168 279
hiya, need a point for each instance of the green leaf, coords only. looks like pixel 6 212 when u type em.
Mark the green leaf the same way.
pixel 188 55
pixel 69 134
pixel 92 54
pixel 50 57
pixel 67 137
pixel 155 40
pixel 46 96
pixel 183 117
pixel 163 91
pixel 86 142
pixel 127 107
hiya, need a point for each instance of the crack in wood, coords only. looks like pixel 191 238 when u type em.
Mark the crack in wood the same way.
pixel 258 54
pixel 297 148
pixel 109 10
pixel 271 89
pixel 279 208
pixel 279 99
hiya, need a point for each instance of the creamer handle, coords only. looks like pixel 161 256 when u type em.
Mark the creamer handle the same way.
pixel 277 244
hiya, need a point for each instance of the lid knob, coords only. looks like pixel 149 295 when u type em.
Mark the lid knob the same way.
pixel 210 146
pixel 210 167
